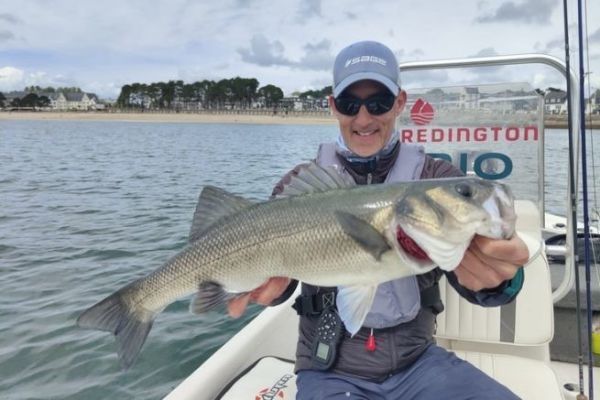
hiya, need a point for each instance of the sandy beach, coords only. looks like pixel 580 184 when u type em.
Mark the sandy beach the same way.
pixel 208 118
pixel 218 117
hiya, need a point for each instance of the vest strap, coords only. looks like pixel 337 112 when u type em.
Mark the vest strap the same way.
pixel 313 305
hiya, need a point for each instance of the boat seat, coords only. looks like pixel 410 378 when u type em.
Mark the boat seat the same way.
pixel 269 377
pixel 511 342
pixel 527 378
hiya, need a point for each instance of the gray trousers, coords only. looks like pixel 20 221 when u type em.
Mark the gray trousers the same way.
pixel 437 374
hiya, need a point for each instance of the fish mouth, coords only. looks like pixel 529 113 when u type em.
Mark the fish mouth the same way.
pixel 410 247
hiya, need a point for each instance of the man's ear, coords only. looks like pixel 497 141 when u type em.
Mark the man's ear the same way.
pixel 401 101
pixel 332 108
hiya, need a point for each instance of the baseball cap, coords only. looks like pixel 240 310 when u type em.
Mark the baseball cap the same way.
pixel 366 60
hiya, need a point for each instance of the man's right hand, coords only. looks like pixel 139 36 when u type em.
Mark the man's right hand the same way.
pixel 264 295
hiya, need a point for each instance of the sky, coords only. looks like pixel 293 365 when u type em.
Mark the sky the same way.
pixel 100 46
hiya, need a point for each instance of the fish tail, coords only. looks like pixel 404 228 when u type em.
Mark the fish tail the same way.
pixel 130 325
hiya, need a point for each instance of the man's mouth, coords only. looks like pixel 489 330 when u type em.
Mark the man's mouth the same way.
pixel 365 133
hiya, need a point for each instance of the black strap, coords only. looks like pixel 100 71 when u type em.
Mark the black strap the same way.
pixel 314 305
pixel 431 298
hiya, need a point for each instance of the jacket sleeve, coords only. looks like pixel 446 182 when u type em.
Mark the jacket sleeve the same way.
pixel 507 290
pixel 502 294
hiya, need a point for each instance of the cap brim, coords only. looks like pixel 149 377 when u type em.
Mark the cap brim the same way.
pixel 362 76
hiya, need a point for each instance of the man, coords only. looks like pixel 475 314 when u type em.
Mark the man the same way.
pixel 393 356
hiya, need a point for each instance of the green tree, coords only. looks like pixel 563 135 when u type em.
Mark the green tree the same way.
pixel 123 99
pixel 271 95
pixel 30 100
pixel 2 99
pixel 67 89
pixel 43 101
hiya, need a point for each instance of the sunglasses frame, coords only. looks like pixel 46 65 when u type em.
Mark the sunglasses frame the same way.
pixel 371 103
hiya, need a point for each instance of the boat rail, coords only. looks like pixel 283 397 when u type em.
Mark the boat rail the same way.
pixel 517 59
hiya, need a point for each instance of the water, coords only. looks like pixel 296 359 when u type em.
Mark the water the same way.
pixel 86 207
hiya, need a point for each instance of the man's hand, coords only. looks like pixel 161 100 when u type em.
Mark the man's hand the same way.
pixel 264 295
pixel 489 262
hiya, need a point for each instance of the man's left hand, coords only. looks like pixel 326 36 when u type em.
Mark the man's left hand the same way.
pixel 489 262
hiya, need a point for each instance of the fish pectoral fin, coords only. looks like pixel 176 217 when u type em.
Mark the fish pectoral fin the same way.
pixel 353 304
pixel 210 295
pixel 214 204
pixel 363 233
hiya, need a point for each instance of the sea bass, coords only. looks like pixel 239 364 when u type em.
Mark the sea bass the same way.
pixel 323 230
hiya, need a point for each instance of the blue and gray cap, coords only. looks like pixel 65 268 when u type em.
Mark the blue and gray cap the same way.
pixel 365 61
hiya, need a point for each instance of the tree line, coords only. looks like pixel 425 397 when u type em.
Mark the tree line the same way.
pixel 241 93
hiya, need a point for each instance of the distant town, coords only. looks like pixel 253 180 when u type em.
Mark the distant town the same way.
pixel 244 94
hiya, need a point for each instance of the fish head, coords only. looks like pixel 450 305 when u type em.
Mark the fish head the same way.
pixel 440 217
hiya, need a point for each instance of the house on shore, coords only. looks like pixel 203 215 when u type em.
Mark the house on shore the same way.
pixel 555 102
pixel 60 101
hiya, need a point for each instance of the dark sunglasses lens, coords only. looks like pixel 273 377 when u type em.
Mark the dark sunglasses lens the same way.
pixel 378 105
pixel 347 106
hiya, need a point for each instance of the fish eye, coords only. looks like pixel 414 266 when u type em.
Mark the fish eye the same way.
pixel 464 189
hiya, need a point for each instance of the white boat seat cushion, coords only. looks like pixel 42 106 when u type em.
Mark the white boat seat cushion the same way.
pixel 526 321
pixel 270 377
pixel 529 379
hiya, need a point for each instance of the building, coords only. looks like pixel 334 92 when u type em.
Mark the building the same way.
pixel 469 98
pixel 60 101
pixel 76 102
pixel 555 102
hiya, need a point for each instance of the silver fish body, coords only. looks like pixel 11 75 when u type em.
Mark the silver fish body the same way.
pixel 326 232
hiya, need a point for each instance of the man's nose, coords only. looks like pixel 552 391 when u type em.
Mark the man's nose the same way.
pixel 363 115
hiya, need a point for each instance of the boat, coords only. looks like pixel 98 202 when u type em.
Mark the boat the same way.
pixel 511 343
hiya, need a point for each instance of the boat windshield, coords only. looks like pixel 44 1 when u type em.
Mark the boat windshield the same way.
pixel 492 131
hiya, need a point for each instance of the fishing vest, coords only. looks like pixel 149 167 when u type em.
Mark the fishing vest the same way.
pixel 396 301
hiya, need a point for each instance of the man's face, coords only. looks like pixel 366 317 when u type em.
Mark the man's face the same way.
pixel 363 133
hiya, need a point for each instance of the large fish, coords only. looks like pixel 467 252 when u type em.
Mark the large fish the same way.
pixel 323 230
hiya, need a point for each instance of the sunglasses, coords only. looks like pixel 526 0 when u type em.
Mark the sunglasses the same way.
pixel 378 104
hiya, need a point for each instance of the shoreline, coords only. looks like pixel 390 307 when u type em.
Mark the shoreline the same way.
pixel 202 118
pixel 216 117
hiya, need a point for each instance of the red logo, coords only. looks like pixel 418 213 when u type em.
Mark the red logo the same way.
pixel 421 113
pixel 276 391
pixel 267 393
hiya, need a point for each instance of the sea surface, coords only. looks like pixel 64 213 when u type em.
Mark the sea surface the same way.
pixel 86 207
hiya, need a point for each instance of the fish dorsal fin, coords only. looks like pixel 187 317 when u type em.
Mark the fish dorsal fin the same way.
pixel 312 178
pixel 213 204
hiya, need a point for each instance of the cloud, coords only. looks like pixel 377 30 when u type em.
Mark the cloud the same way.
pixel 9 18
pixel 528 11
pixel 6 35
pixel 267 53
pixel 264 53
pixel 487 52
pixel 317 57
pixel 10 78
pixel 308 9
